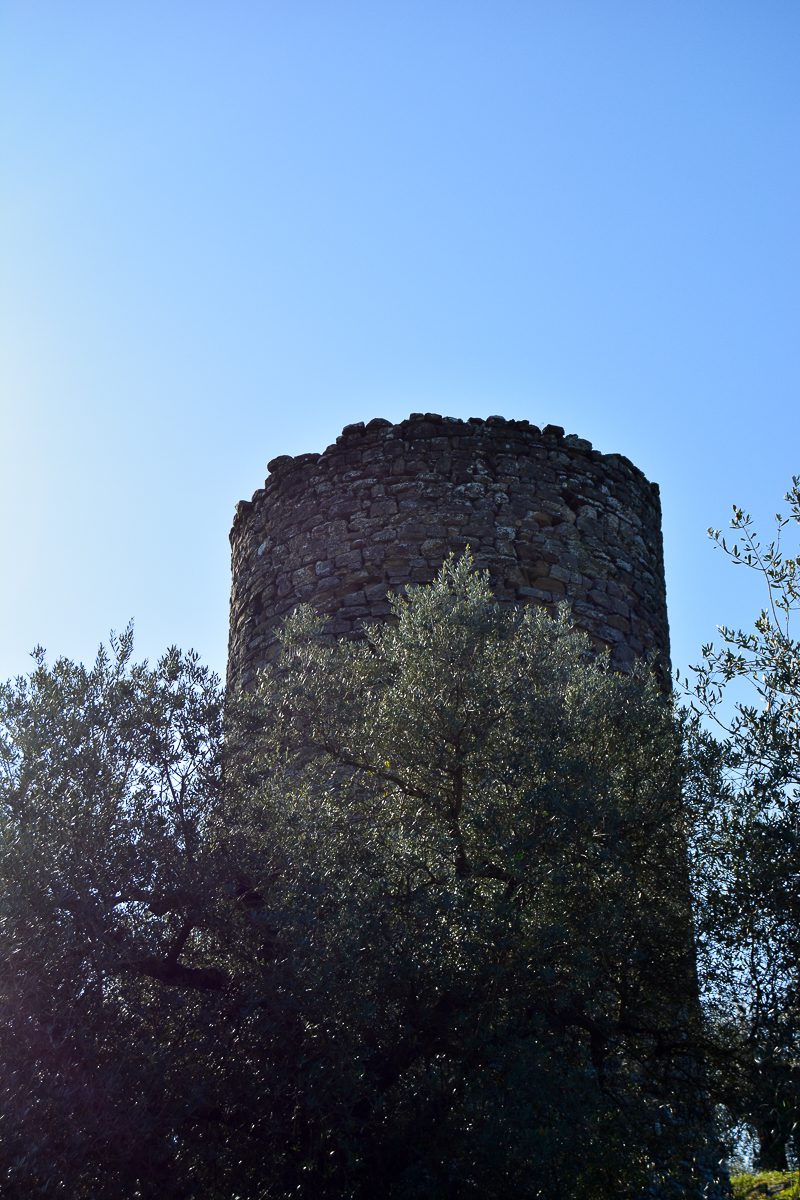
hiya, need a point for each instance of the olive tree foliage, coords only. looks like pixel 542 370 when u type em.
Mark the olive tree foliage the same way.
pixel 477 855
pixel 110 938
pixel 746 849
pixel 409 919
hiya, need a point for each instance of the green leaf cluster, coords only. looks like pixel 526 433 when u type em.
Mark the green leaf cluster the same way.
pixel 744 784
pixel 475 833
pixel 409 919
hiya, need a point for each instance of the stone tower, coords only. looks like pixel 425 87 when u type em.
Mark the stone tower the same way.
pixel 551 518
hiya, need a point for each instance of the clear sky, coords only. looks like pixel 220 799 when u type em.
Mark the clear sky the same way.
pixel 229 229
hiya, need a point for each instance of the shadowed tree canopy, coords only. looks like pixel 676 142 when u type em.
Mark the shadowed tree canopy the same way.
pixel 426 935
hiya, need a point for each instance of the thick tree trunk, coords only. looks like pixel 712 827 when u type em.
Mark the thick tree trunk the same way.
pixel 771 1147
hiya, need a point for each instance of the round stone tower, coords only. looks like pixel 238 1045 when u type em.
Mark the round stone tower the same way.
pixel 551 518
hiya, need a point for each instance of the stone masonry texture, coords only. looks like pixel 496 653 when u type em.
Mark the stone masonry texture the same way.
pixel 549 517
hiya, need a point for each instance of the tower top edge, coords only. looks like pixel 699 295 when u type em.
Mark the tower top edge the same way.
pixel 435 425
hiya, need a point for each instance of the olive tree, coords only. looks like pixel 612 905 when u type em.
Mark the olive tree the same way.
pixel 409 919
pixel 745 756
pixel 110 811
pixel 469 833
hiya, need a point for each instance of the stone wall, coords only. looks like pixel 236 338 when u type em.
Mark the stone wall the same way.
pixel 551 518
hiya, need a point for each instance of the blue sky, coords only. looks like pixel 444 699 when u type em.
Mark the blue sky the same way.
pixel 228 230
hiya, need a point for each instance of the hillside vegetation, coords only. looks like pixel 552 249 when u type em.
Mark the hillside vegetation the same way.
pixel 777 1185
